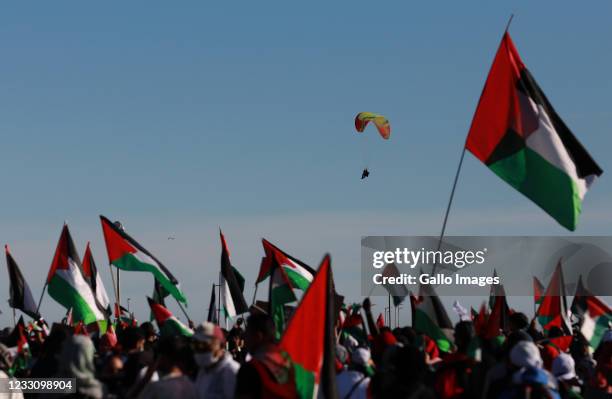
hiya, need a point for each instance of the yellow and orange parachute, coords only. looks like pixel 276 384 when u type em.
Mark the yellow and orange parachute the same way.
pixel 382 124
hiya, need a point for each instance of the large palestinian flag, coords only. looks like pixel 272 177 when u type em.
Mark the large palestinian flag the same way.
pixel 232 284
pixel 430 318
pixel 299 274
pixel 67 285
pixel 127 254
pixel 517 133
pixel 20 295
pixel 90 271
pixel 309 338
pixel 538 291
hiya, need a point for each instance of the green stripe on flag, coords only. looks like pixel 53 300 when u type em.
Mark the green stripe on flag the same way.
pixel 130 262
pixel 545 184
pixel 304 382
pixel 64 293
pixel 297 280
pixel 424 325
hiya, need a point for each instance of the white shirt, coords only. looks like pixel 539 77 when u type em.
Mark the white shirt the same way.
pixel 219 382
pixel 14 395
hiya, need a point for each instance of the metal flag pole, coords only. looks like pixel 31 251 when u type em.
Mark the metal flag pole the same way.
pixel 254 294
pixel 219 301
pixel 41 298
pixel 454 187
pixel 183 310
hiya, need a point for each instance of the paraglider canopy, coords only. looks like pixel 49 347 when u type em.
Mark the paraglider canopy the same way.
pixel 382 124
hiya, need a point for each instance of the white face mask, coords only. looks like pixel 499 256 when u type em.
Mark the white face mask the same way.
pixel 205 359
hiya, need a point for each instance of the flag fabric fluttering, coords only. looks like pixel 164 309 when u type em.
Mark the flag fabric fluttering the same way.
pixel 430 318
pixel 90 271
pixel 299 274
pixel 212 314
pixel 159 295
pixel 232 284
pixel 67 285
pixel 127 254
pixel 280 294
pixel 499 319
pixel 538 291
pixel 309 338
pixel 597 319
pixel 398 292
pixel 20 296
pixel 167 323
pixel 553 311
pixel 518 134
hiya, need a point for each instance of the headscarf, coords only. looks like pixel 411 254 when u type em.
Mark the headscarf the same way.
pixel 78 362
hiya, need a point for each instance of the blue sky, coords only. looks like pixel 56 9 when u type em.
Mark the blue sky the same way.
pixel 180 118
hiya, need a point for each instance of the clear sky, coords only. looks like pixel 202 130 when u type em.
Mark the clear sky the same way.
pixel 180 117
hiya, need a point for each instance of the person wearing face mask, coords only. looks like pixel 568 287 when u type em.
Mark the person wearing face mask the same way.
pixel 217 369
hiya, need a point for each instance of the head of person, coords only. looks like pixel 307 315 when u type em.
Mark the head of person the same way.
pixel 172 355
pixel 259 332
pixel 6 359
pixel 361 360
pixel 525 354
pixel 464 333
pixel 518 322
pixel 563 367
pixel 148 330
pixel 77 361
pixel 208 343
pixel 132 339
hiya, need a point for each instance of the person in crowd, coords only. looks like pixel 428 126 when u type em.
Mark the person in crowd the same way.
pixel 563 368
pixel 216 378
pixel 354 381
pixel 529 378
pixel 268 374
pixel 402 373
pixel 135 359
pixel 6 361
pixel 454 372
pixel 172 365
pixel 77 361
pixel 150 335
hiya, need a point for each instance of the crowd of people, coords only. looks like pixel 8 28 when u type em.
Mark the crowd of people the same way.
pixel 245 362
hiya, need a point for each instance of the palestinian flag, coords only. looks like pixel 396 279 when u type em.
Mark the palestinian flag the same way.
pixel 354 325
pixel 90 271
pixel 398 292
pixel 167 323
pixel 67 285
pixel 309 339
pixel 380 321
pixel 299 274
pixel 538 291
pixel 159 296
pixel 20 295
pixel 280 294
pixel 126 254
pixel 596 320
pixel 499 319
pixel 579 303
pixel 517 133
pixel 232 284
pixel 212 314
pixel 552 311
pixel 430 318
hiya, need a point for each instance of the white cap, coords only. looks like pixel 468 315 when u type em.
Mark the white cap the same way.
pixel 526 354
pixel 563 367
pixel 361 356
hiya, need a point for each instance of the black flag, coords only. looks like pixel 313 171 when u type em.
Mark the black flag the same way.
pixel 20 295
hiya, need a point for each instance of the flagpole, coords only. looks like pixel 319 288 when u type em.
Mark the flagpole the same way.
pixel 452 194
pixel 183 309
pixel 118 288
pixel 389 300
pixel 41 298
pixel 219 302
pixel 254 294
pixel 110 268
